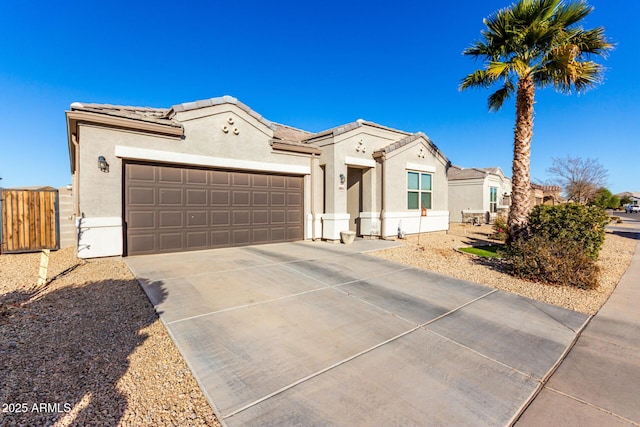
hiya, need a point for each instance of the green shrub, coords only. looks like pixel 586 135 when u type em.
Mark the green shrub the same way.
pixel 570 223
pixel 560 262
pixel 500 229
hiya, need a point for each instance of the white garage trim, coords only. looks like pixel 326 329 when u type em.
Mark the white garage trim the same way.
pixel 135 153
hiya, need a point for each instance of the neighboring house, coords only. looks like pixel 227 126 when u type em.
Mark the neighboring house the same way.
pixel 215 173
pixel 545 194
pixel 480 193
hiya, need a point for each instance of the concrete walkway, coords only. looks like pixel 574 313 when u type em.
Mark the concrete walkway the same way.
pixel 598 384
pixel 322 334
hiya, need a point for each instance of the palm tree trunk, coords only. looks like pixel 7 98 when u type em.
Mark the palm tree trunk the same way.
pixel 521 180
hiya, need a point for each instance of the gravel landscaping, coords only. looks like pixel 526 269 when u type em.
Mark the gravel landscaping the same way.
pixel 89 349
pixel 437 252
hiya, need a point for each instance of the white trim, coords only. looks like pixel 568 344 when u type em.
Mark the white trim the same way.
pixel 358 161
pixel 336 216
pixel 105 221
pixel 136 153
pixel 421 168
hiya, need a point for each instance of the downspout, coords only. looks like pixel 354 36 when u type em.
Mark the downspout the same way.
pixel 313 198
pixel 76 184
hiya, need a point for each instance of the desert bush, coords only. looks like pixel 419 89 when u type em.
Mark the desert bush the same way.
pixel 556 262
pixel 500 229
pixel 570 223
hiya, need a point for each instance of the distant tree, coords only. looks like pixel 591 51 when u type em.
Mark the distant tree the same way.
pixel 534 44
pixel 605 199
pixel 580 178
pixel 625 199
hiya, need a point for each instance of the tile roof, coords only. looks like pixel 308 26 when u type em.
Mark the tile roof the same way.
pixel 458 172
pixel 145 114
pixel 408 140
pixel 226 99
pixel 288 133
pixel 338 130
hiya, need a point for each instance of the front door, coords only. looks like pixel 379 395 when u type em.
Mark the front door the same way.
pixel 354 198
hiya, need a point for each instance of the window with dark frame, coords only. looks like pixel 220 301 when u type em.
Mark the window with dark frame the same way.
pixel 493 199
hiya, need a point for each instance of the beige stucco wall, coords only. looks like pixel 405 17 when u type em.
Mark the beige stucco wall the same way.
pixel 355 148
pixel 466 195
pixel 205 143
pixel 416 156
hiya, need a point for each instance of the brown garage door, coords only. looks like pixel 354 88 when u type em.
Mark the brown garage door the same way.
pixel 171 209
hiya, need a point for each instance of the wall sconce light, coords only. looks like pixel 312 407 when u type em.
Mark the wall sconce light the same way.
pixel 342 178
pixel 103 165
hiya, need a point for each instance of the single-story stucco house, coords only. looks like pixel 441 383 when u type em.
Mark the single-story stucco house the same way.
pixel 481 193
pixel 215 173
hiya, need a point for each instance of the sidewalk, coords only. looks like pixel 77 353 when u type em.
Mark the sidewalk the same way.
pixel 599 381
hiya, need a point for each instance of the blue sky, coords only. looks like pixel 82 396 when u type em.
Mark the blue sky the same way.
pixel 311 65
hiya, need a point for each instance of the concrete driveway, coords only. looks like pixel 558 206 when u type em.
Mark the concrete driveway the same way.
pixel 323 334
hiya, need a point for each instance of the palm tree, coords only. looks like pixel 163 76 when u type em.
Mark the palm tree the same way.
pixel 534 43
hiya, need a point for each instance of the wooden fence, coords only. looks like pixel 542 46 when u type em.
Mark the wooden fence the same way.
pixel 29 220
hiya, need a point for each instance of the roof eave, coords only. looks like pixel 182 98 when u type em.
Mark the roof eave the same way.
pixel 75 117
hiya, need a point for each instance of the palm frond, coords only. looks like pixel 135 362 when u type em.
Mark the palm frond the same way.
pixel 496 99
pixel 479 78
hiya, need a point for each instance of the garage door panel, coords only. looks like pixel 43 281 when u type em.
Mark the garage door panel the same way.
pixel 171 219
pixel 241 237
pixel 196 176
pixel 220 178
pixel 240 179
pixel 142 196
pixel 278 216
pixel 294 233
pixel 221 238
pixel 260 198
pixel 278 234
pixel 259 217
pixel 221 219
pixel 260 181
pixel 278 199
pixel 172 208
pixel 197 240
pixel 241 198
pixel 278 182
pixel 220 198
pixel 294 217
pixel 197 197
pixel 260 235
pixel 241 218
pixel 142 219
pixel 171 241
pixel 142 243
pixel 294 183
pixel 196 219
pixel 140 173
pixel 170 197
pixel 170 174
pixel 294 199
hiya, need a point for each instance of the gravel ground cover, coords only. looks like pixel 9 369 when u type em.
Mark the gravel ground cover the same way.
pixel 88 349
pixel 437 252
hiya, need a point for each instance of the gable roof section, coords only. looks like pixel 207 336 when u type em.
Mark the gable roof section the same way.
pixel 408 140
pixel 339 130
pixel 459 173
pixel 144 114
pixel 226 99
pixel 289 133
